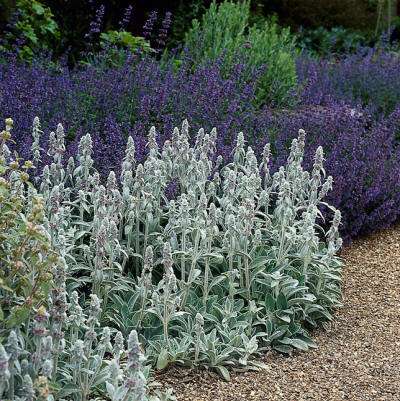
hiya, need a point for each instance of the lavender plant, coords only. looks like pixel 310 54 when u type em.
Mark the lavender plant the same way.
pixel 230 263
pixel 147 94
pixel 368 78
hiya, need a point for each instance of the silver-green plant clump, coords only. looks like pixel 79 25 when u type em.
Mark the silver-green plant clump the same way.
pixel 228 264
pixel 54 344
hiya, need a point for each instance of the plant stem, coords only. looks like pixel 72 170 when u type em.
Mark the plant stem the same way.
pixel 192 267
pixel 137 239
pixel 183 261
pixel 11 381
pixel 247 271
pixel 206 275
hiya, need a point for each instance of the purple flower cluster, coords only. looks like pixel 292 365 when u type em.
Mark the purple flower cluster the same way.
pixel 163 31
pixel 96 24
pixel 368 78
pixel 114 103
pixel 149 25
pixel 126 19
pixel 361 150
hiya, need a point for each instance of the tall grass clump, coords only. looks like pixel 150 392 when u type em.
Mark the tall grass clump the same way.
pixel 205 263
pixel 225 30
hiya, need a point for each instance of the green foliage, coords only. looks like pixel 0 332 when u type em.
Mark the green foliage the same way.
pixel 26 257
pixel 222 28
pixel 115 46
pixel 53 345
pixel 273 47
pixel 35 26
pixel 225 31
pixel 185 12
pixel 124 40
pixel 325 42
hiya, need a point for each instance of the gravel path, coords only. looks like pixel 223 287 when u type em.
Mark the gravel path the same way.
pixel 358 356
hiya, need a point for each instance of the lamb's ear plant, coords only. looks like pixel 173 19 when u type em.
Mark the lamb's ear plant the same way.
pixel 77 367
pixel 231 265
pixel 52 344
pixel 238 247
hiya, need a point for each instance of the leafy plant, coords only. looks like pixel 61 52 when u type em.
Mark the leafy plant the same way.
pixel 41 362
pixel 367 77
pixel 323 42
pixel 125 40
pixel 224 30
pixel 230 265
pixel 34 30
pixel 26 255
pixel 52 349
pixel 116 47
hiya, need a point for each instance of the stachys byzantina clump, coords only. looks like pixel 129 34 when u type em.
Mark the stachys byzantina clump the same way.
pixel 209 263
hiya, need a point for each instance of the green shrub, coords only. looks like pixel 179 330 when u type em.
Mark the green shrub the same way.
pixel 325 42
pixel 35 26
pixel 225 31
pixel 26 257
pixel 114 49
pixel 124 40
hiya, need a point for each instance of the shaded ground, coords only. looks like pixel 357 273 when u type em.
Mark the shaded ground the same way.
pixel 358 356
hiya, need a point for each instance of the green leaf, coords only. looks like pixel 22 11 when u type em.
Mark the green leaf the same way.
pixel 276 334
pixel 299 344
pixel 285 349
pixel 283 317
pixel 223 371
pixel 162 360
pixel 37 8
pixel 308 341
pixel 216 280
pixel 306 299
pixel 270 302
pixel 281 302
pixel 18 316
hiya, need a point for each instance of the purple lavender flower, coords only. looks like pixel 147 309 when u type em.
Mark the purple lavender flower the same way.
pixel 163 31
pixel 126 19
pixel 95 25
pixel 368 78
pixel 149 25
